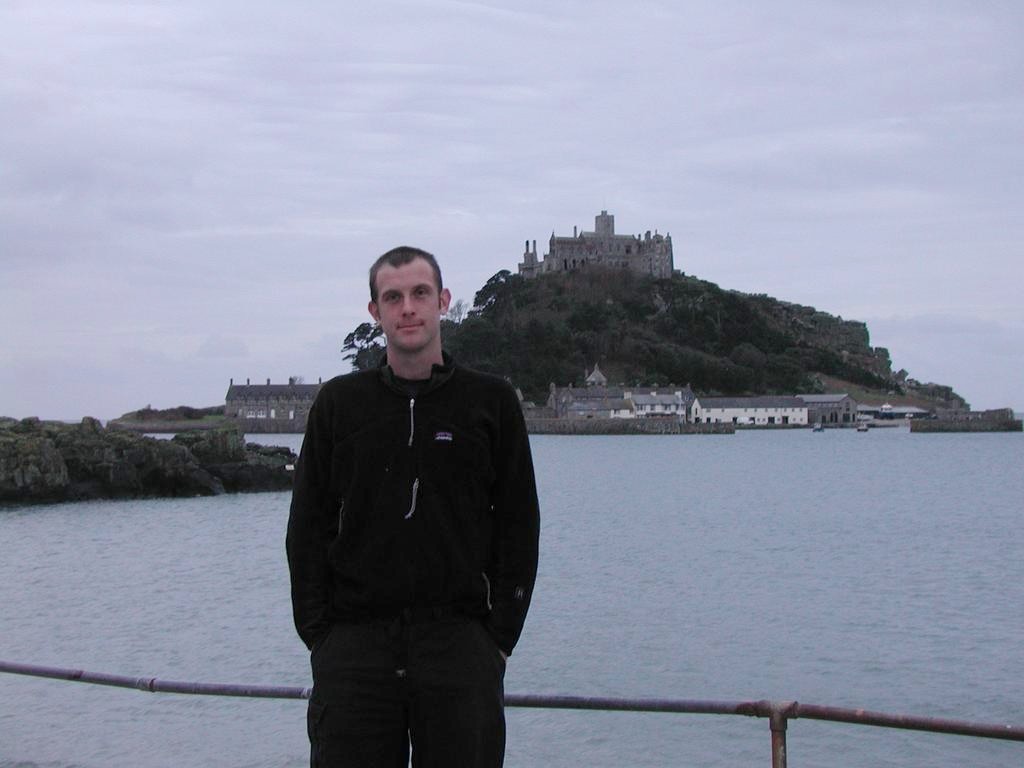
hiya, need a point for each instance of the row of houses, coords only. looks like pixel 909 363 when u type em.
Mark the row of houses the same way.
pixel 683 405
pixel 284 407
pixel 599 400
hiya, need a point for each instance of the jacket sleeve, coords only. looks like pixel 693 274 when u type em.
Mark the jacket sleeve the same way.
pixel 309 528
pixel 513 569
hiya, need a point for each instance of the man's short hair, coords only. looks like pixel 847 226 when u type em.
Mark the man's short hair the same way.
pixel 398 257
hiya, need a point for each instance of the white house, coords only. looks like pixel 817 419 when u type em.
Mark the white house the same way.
pixel 752 411
pixel 654 403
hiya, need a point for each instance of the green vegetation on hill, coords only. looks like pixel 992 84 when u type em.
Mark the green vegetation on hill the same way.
pixel 641 330
pixel 179 413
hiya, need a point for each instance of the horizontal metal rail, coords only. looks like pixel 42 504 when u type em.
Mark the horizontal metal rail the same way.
pixel 778 713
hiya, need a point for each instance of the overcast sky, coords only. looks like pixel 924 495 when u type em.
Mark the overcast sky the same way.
pixel 193 191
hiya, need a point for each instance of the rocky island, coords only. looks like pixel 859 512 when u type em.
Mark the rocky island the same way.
pixel 48 461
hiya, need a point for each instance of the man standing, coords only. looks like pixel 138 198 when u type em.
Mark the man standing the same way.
pixel 412 543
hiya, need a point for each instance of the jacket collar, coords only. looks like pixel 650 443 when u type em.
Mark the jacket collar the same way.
pixel 439 374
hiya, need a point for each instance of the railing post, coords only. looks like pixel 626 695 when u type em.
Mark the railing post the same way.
pixel 778 719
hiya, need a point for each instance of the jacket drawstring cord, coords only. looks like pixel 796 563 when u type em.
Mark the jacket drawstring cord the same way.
pixel 415 490
pixel 488 583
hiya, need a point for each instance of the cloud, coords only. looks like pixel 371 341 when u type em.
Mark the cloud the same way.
pixel 223 348
pixel 214 179
pixel 983 359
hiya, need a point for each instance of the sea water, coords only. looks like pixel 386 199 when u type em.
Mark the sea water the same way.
pixel 880 570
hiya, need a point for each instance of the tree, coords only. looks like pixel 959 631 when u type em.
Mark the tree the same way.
pixel 457 311
pixel 487 295
pixel 363 346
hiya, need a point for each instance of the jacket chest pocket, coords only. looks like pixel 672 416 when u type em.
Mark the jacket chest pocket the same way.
pixel 457 464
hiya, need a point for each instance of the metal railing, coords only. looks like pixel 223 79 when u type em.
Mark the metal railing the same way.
pixel 778 713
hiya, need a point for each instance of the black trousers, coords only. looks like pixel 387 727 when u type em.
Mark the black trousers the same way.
pixel 379 688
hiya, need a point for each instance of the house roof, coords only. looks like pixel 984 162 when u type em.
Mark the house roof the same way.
pixel 601 405
pixel 662 399
pixel 596 378
pixel 578 394
pixel 822 399
pixel 894 409
pixel 257 391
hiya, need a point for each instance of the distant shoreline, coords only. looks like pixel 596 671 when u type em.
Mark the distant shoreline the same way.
pixel 165 427
pixel 608 426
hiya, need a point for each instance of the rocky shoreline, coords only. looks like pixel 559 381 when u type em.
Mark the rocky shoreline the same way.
pixel 46 461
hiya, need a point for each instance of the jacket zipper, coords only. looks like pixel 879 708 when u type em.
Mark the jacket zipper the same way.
pixel 412 419
pixel 412 430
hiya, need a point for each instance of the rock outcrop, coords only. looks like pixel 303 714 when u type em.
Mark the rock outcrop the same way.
pixel 43 461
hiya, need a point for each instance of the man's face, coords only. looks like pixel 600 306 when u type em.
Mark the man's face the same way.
pixel 409 308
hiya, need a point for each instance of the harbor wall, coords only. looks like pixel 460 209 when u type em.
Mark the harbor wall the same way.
pixel 623 427
pixel 973 425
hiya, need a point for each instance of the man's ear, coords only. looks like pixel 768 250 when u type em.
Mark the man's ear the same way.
pixel 444 300
pixel 374 312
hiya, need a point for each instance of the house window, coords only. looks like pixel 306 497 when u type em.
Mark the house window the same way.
pixel 771 419
pixel 273 413
pixel 251 413
pixel 261 413
pixel 291 415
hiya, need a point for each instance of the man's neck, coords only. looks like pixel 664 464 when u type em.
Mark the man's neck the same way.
pixel 415 367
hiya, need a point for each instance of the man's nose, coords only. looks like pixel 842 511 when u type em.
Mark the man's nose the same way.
pixel 407 305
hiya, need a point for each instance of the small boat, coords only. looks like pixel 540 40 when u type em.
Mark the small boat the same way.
pixel 818 427
pixel 862 426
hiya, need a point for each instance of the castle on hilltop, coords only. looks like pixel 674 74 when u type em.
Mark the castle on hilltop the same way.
pixel 647 255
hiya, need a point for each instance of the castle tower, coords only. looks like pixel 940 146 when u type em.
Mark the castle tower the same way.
pixel 529 266
pixel 646 255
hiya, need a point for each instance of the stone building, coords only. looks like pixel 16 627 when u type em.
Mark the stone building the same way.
pixel 647 255
pixel 830 409
pixel 595 378
pixel 620 402
pixel 270 407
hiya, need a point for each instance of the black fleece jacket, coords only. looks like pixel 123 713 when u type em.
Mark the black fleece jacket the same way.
pixel 414 504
